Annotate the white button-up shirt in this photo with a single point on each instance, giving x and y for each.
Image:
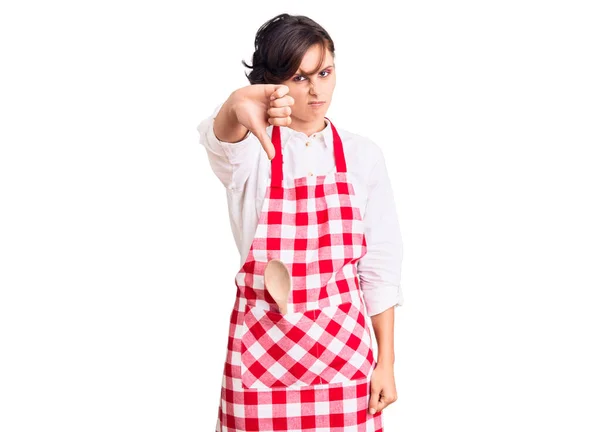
(244, 169)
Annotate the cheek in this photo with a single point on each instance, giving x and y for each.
(296, 96)
(331, 85)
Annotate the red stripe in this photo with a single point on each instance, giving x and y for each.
(277, 161)
(338, 149)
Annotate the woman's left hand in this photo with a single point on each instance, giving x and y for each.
(383, 387)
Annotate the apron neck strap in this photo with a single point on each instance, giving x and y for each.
(277, 161)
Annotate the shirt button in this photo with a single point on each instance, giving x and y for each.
(307, 143)
(310, 173)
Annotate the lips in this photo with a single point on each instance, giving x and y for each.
(316, 102)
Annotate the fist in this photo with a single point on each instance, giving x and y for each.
(383, 388)
(259, 105)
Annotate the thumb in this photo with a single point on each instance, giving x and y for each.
(275, 91)
(266, 143)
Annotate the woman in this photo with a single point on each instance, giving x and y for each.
(319, 199)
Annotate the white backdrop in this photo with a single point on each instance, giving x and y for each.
(117, 261)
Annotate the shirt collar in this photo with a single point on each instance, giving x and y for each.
(326, 134)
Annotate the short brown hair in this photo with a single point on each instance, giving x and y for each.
(280, 45)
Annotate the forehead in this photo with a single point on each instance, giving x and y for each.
(312, 59)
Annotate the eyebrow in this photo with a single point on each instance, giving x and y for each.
(304, 73)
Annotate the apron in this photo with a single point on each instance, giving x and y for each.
(310, 369)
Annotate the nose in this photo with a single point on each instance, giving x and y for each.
(313, 87)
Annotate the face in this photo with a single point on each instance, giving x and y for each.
(306, 88)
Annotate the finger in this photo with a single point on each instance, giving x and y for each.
(266, 143)
(279, 91)
(279, 112)
(272, 90)
(373, 401)
(381, 405)
(385, 401)
(283, 101)
(280, 121)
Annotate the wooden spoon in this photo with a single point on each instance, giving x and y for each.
(279, 283)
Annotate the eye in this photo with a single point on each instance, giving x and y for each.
(326, 71)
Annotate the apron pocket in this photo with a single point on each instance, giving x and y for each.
(320, 346)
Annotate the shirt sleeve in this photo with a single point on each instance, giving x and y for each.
(232, 163)
(380, 269)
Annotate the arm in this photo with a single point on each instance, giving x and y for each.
(226, 125)
(380, 269)
(232, 162)
(383, 383)
(383, 326)
(379, 272)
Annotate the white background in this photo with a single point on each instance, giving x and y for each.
(117, 261)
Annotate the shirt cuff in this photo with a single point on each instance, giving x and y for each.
(380, 298)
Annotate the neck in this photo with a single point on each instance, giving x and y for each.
(309, 127)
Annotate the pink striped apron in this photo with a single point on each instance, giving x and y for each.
(310, 369)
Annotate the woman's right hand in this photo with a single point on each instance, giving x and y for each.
(259, 105)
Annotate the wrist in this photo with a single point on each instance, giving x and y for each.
(230, 108)
(386, 359)
(226, 126)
